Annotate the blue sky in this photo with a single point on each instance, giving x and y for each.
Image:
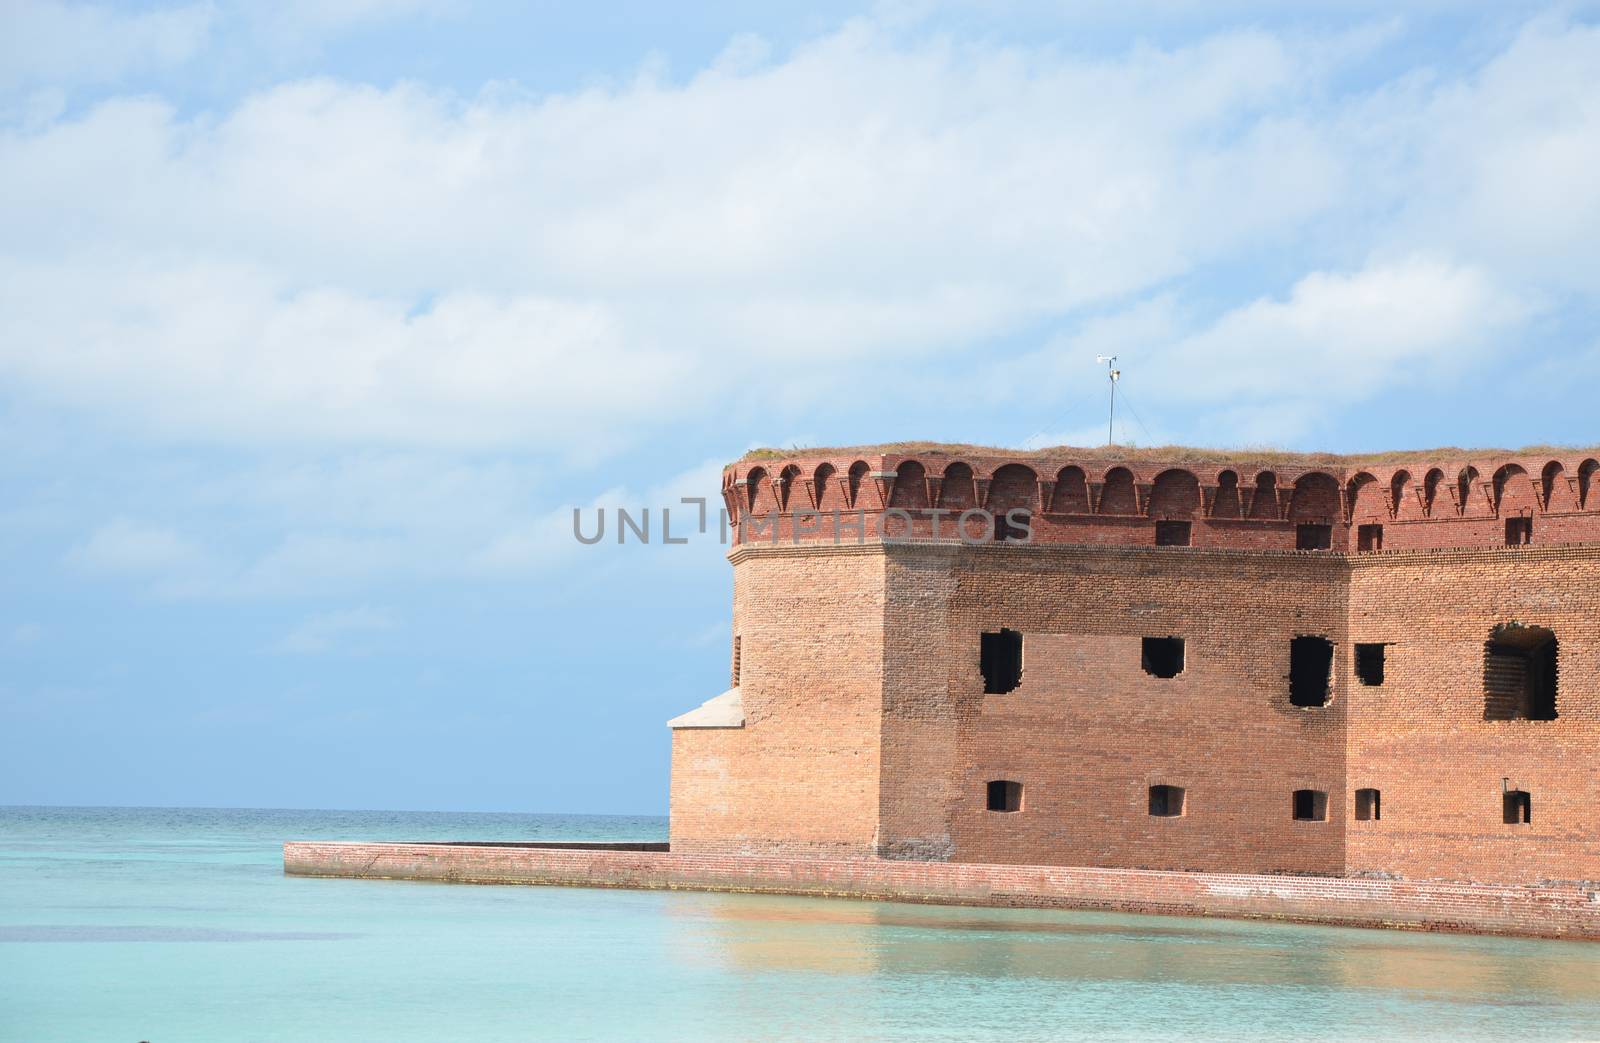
(318, 318)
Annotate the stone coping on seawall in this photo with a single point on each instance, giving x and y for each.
(1542, 911)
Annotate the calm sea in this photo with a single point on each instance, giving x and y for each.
(178, 924)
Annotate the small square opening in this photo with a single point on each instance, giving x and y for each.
(1369, 805)
(1004, 795)
(1310, 805)
(1313, 536)
(1166, 801)
(1519, 531)
(1173, 533)
(1369, 538)
(1517, 807)
(1369, 664)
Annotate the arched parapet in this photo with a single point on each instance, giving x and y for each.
(1071, 495)
(1588, 477)
(958, 489)
(856, 480)
(825, 495)
(1117, 493)
(1555, 495)
(1013, 487)
(908, 489)
(786, 487)
(1403, 503)
(1432, 488)
(1315, 498)
(757, 495)
(1264, 497)
(1512, 491)
(1366, 499)
(1175, 494)
(1469, 494)
(1225, 499)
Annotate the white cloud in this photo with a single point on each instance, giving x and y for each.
(327, 631)
(126, 547)
(399, 266)
(47, 41)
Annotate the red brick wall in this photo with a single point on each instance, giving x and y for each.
(868, 731)
(801, 776)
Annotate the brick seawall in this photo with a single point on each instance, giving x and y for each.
(1546, 912)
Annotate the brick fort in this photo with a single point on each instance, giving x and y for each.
(1383, 667)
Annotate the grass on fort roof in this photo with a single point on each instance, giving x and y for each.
(1178, 454)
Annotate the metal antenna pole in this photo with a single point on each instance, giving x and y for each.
(1113, 373)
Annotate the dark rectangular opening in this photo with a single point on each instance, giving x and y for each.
(1369, 664)
(1519, 531)
(1368, 805)
(1310, 805)
(1005, 531)
(1517, 807)
(1173, 533)
(1310, 669)
(1000, 661)
(1162, 656)
(1313, 536)
(1520, 673)
(1369, 538)
(1166, 801)
(1004, 795)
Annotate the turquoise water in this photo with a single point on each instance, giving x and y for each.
(162, 925)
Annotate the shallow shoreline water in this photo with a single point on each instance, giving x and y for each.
(176, 924)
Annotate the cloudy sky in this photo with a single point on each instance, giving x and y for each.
(317, 318)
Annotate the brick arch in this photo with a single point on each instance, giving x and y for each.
(1013, 486)
(1226, 505)
(1466, 487)
(1586, 471)
(1513, 490)
(1430, 489)
(1365, 496)
(957, 490)
(910, 485)
(1175, 494)
(822, 486)
(783, 488)
(757, 490)
(1400, 494)
(1264, 504)
(854, 479)
(1118, 496)
(1072, 491)
(1315, 498)
(1553, 491)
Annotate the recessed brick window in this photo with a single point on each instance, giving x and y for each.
(1516, 807)
(1004, 795)
(1313, 536)
(1310, 670)
(1000, 661)
(1310, 805)
(1173, 533)
(1520, 674)
(1162, 656)
(1369, 664)
(1369, 805)
(1519, 531)
(1369, 538)
(1166, 801)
